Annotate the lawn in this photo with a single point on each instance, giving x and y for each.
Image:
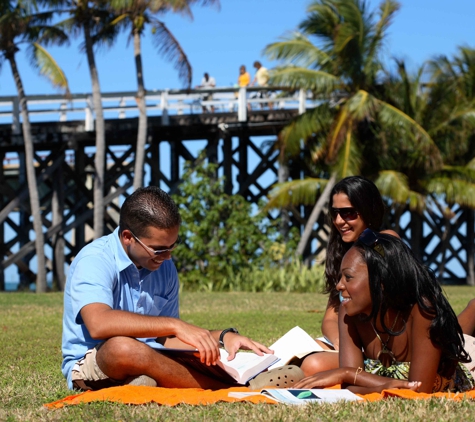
(30, 337)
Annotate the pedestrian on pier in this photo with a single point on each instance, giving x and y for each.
(208, 82)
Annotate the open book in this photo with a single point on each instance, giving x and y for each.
(290, 349)
(293, 346)
(301, 396)
(245, 365)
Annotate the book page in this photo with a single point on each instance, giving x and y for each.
(301, 396)
(246, 365)
(295, 343)
(304, 396)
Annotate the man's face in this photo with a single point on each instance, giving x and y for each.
(140, 250)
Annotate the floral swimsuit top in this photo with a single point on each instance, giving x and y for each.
(460, 381)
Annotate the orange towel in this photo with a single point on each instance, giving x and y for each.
(129, 394)
(197, 396)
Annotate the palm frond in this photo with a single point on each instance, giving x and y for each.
(349, 157)
(454, 190)
(170, 48)
(50, 68)
(341, 125)
(297, 49)
(465, 113)
(387, 11)
(51, 35)
(361, 106)
(394, 185)
(302, 78)
(295, 192)
(394, 119)
(302, 127)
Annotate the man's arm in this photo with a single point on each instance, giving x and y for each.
(103, 322)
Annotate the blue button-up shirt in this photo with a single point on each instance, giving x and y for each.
(103, 273)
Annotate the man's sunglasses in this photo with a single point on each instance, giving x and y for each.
(158, 251)
(371, 238)
(346, 214)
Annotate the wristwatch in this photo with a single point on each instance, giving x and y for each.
(227, 330)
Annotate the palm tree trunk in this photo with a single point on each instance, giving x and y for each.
(470, 248)
(283, 176)
(142, 131)
(317, 209)
(99, 160)
(57, 211)
(31, 179)
(416, 234)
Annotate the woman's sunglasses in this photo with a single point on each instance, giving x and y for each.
(371, 238)
(346, 214)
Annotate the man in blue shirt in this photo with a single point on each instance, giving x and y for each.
(121, 306)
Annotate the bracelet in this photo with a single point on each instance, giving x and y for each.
(227, 330)
(358, 371)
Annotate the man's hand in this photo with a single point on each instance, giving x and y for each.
(233, 342)
(201, 339)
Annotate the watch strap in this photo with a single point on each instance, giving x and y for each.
(223, 333)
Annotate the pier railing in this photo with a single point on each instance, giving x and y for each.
(158, 102)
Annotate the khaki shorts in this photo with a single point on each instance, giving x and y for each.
(86, 374)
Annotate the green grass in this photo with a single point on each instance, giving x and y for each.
(30, 359)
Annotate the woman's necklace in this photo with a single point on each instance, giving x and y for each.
(385, 350)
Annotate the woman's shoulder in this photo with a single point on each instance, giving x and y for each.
(391, 232)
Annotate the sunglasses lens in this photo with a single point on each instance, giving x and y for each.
(346, 214)
(349, 214)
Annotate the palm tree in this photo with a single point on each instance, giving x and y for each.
(21, 23)
(92, 20)
(137, 14)
(446, 107)
(449, 116)
(342, 69)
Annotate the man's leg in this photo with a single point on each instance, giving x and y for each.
(123, 357)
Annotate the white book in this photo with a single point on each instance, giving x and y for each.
(244, 366)
(295, 345)
(301, 396)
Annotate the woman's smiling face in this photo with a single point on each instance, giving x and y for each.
(353, 285)
(349, 229)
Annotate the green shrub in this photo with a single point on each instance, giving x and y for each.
(227, 246)
(292, 277)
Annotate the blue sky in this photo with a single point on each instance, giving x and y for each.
(219, 41)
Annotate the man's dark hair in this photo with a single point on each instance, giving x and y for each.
(148, 207)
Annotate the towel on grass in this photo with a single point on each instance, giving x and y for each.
(129, 394)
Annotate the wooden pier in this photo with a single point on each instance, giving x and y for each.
(239, 136)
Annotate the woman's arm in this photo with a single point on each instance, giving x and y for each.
(350, 349)
(351, 372)
(330, 325)
(425, 355)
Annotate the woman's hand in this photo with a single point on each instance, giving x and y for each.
(408, 385)
(323, 379)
